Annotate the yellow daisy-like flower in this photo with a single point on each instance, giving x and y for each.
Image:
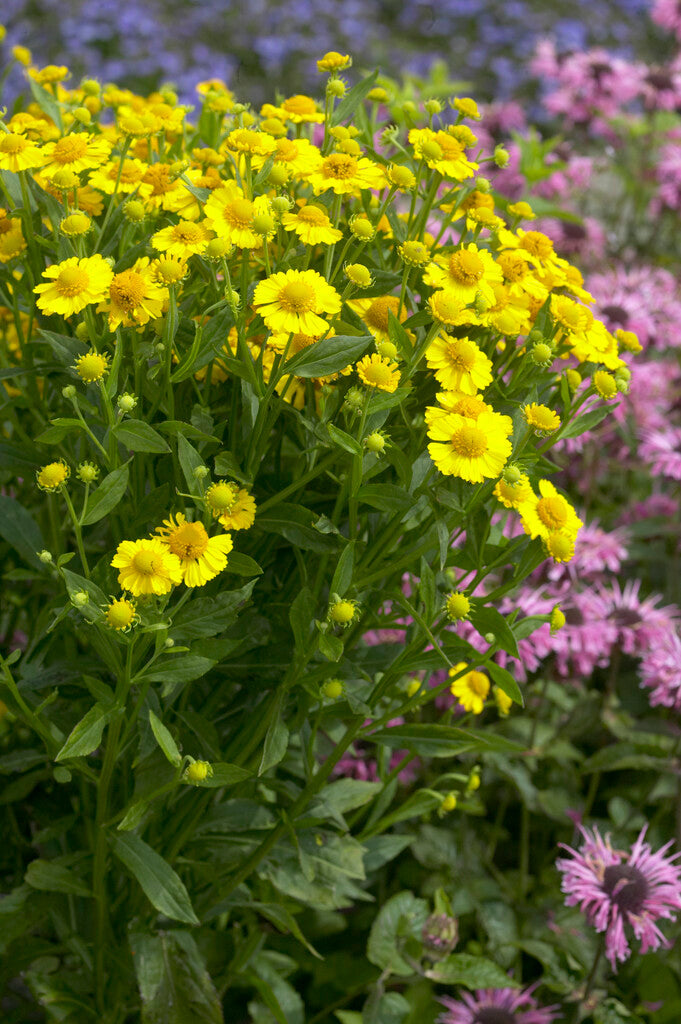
(443, 153)
(294, 156)
(334, 61)
(12, 241)
(185, 239)
(596, 345)
(467, 106)
(168, 269)
(345, 174)
(448, 308)
(92, 366)
(245, 140)
(75, 152)
(292, 301)
(605, 384)
(512, 495)
(503, 701)
(549, 513)
(459, 364)
(312, 225)
(537, 246)
(470, 406)
(50, 74)
(570, 315)
(472, 450)
(414, 253)
(302, 109)
(52, 476)
(147, 567)
(230, 215)
(75, 224)
(541, 418)
(73, 284)
(509, 314)
(17, 153)
(471, 689)
(135, 296)
(232, 505)
(201, 557)
(518, 275)
(467, 272)
(120, 614)
(131, 174)
(375, 314)
(521, 209)
(559, 545)
(378, 372)
(457, 606)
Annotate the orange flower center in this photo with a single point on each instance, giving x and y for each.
(72, 281)
(537, 244)
(70, 149)
(552, 511)
(145, 562)
(159, 179)
(127, 290)
(340, 166)
(469, 441)
(188, 541)
(513, 267)
(312, 215)
(466, 267)
(239, 212)
(461, 354)
(377, 313)
(188, 233)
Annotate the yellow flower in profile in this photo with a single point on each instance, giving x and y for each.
(459, 364)
(414, 253)
(466, 272)
(50, 74)
(375, 371)
(605, 384)
(73, 285)
(120, 614)
(472, 450)
(52, 476)
(92, 366)
(467, 106)
(75, 224)
(559, 545)
(512, 495)
(541, 418)
(448, 308)
(503, 701)
(147, 567)
(549, 513)
(312, 225)
(76, 152)
(17, 153)
(201, 557)
(184, 239)
(231, 504)
(345, 174)
(334, 61)
(301, 109)
(135, 296)
(245, 140)
(470, 689)
(292, 301)
(375, 314)
(443, 153)
(521, 209)
(12, 241)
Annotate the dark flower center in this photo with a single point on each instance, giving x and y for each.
(626, 886)
(660, 80)
(616, 314)
(493, 1015)
(575, 232)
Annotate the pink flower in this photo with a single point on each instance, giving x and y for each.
(661, 669)
(667, 13)
(620, 891)
(661, 451)
(496, 1006)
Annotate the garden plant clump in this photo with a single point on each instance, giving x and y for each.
(283, 395)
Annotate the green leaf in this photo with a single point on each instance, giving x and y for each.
(489, 620)
(276, 740)
(165, 740)
(295, 524)
(386, 497)
(243, 565)
(399, 337)
(505, 682)
(174, 985)
(161, 885)
(105, 498)
(20, 530)
(328, 356)
(343, 440)
(471, 971)
(138, 436)
(300, 616)
(385, 1007)
(207, 616)
(401, 916)
(226, 465)
(348, 105)
(87, 735)
(585, 421)
(330, 646)
(76, 584)
(54, 877)
(46, 102)
(432, 740)
(177, 670)
(342, 577)
(189, 461)
(224, 774)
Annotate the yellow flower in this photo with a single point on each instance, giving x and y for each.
(467, 272)
(17, 153)
(50, 74)
(512, 495)
(201, 557)
(129, 178)
(245, 140)
(312, 225)
(605, 384)
(168, 269)
(358, 274)
(345, 174)
(232, 505)
(442, 152)
(459, 364)
(473, 450)
(198, 771)
(292, 301)
(52, 476)
(92, 366)
(469, 406)
(76, 152)
(302, 109)
(548, 513)
(147, 567)
(557, 619)
(342, 612)
(559, 545)
(467, 106)
(375, 314)
(401, 177)
(471, 689)
(120, 614)
(75, 224)
(521, 209)
(414, 254)
(12, 241)
(448, 308)
(183, 240)
(541, 418)
(458, 606)
(73, 285)
(503, 701)
(334, 61)
(231, 215)
(377, 372)
(135, 297)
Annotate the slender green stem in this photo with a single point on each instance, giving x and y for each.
(78, 532)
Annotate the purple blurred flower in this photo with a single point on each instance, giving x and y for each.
(661, 670)
(496, 1006)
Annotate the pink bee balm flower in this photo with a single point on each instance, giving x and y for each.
(619, 891)
(496, 1006)
(661, 669)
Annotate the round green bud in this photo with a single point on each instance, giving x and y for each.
(134, 211)
(375, 443)
(263, 223)
(82, 332)
(336, 87)
(432, 107)
(333, 689)
(61, 774)
(501, 156)
(281, 205)
(82, 115)
(126, 402)
(90, 87)
(200, 473)
(69, 392)
(511, 474)
(490, 638)
(541, 354)
(45, 556)
(483, 184)
(81, 598)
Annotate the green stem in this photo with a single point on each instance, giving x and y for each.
(78, 532)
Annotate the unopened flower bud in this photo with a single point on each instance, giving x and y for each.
(126, 402)
(134, 211)
(200, 473)
(263, 223)
(336, 87)
(483, 184)
(83, 115)
(501, 156)
(490, 638)
(198, 771)
(333, 689)
(69, 392)
(45, 556)
(81, 598)
(440, 933)
(387, 349)
(281, 205)
(432, 107)
(90, 87)
(375, 443)
(541, 354)
(82, 332)
(342, 612)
